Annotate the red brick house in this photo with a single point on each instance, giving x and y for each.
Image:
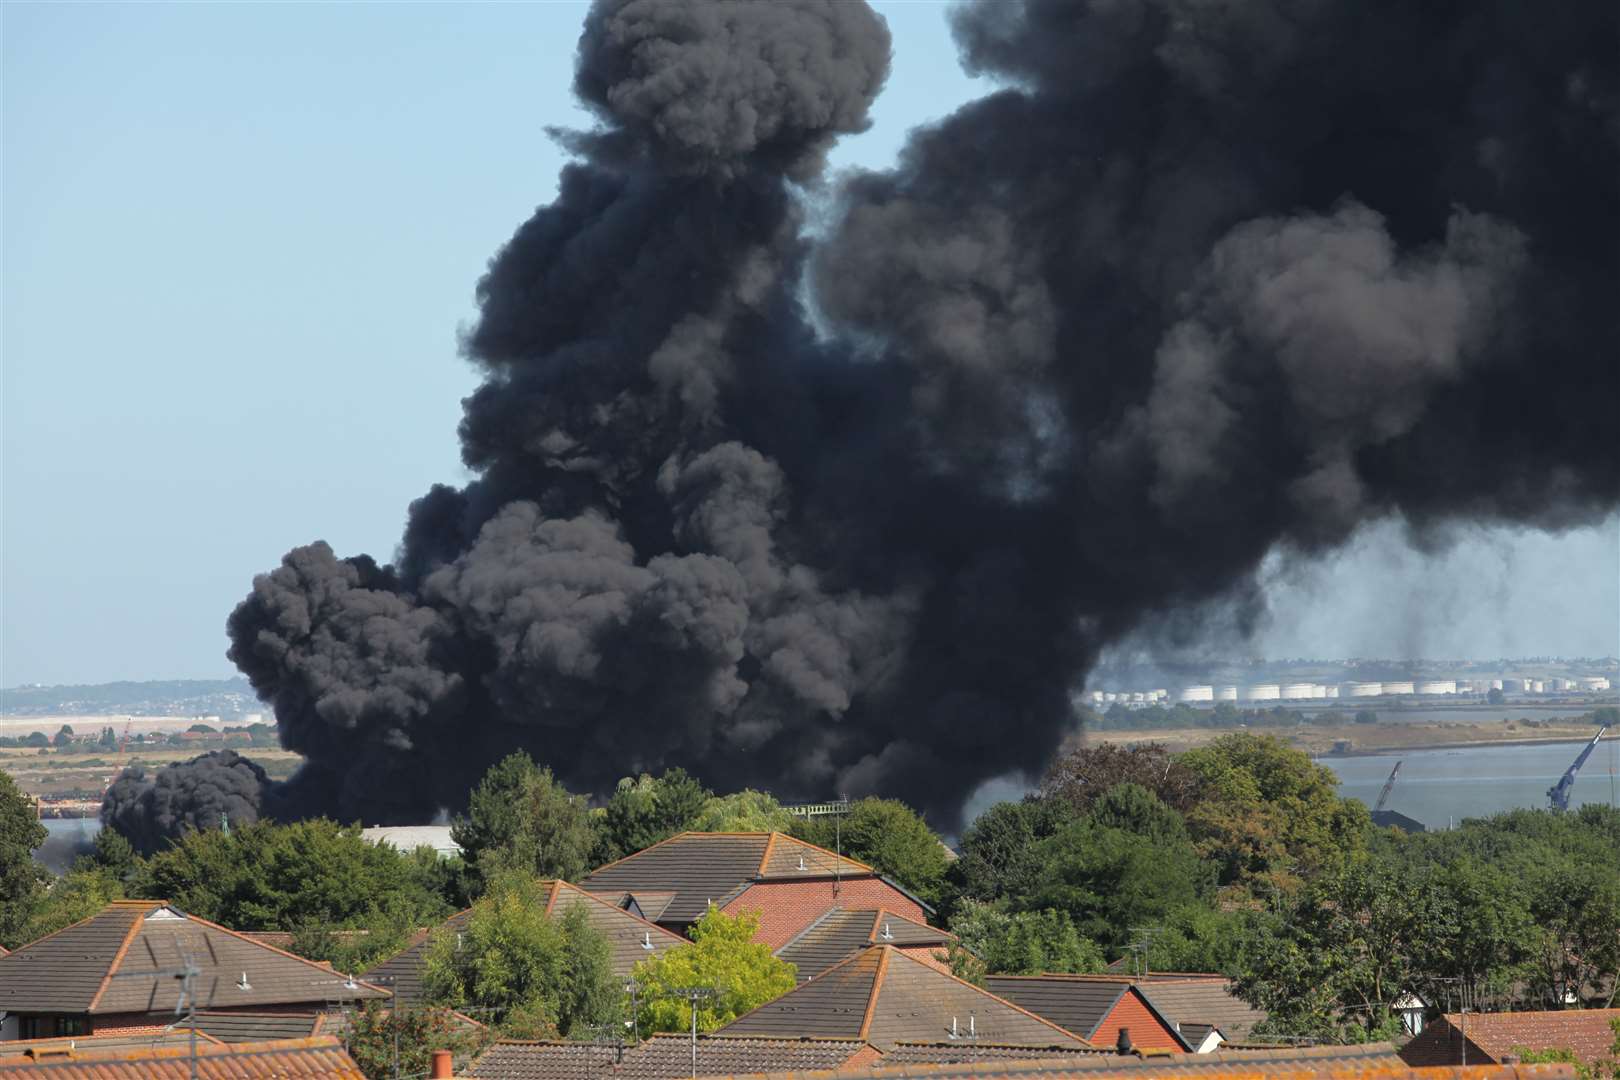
(1096, 1009)
(105, 975)
(789, 883)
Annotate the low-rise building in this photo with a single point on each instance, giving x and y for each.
(1104, 1011)
(1500, 1038)
(789, 883)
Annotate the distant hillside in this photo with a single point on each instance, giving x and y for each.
(225, 698)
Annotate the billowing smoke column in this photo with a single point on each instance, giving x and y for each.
(1203, 280)
(197, 794)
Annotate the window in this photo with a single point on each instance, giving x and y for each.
(72, 1025)
(51, 1027)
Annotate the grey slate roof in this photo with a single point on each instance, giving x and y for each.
(95, 967)
(885, 997)
(1195, 1034)
(243, 1027)
(842, 932)
(1074, 1004)
(1202, 1000)
(658, 1058)
(702, 867)
(632, 939)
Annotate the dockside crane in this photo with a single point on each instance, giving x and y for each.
(1558, 794)
(1383, 796)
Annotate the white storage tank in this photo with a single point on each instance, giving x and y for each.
(1496, 684)
(1196, 693)
(1264, 692)
(1226, 693)
(1365, 689)
(1160, 694)
(1399, 687)
(1517, 686)
(1437, 686)
(1329, 691)
(1536, 686)
(1298, 691)
(1594, 682)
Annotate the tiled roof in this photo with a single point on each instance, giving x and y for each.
(1195, 1034)
(98, 966)
(298, 1059)
(633, 939)
(123, 1040)
(1076, 1003)
(884, 997)
(840, 933)
(657, 1058)
(955, 1053)
(1491, 1036)
(1203, 999)
(244, 1027)
(702, 867)
(1307, 1063)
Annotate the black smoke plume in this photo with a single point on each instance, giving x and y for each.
(197, 794)
(857, 513)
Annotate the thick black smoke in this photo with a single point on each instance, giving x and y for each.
(197, 794)
(1202, 281)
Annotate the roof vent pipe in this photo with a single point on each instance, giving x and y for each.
(243, 984)
(887, 934)
(646, 939)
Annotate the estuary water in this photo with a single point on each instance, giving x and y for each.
(1441, 786)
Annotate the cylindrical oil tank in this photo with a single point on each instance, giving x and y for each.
(1263, 692)
(1437, 686)
(1517, 686)
(1196, 693)
(1364, 689)
(1536, 686)
(1226, 693)
(1329, 691)
(1594, 682)
(1298, 691)
(1399, 687)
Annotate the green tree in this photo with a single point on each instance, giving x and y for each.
(524, 965)
(109, 739)
(265, 876)
(1268, 814)
(1085, 774)
(644, 810)
(387, 1042)
(743, 811)
(1576, 908)
(889, 836)
(1000, 858)
(36, 738)
(723, 956)
(22, 880)
(64, 737)
(997, 942)
(520, 818)
(70, 899)
(111, 854)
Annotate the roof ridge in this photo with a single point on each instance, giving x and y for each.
(622, 911)
(855, 957)
(979, 989)
(877, 991)
(291, 956)
(825, 851)
(765, 859)
(817, 921)
(123, 950)
(636, 854)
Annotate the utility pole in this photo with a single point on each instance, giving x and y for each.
(631, 987)
(695, 994)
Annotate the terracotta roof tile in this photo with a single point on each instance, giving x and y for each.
(1491, 1036)
(293, 1059)
(657, 1058)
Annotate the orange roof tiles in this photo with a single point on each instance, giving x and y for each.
(289, 1059)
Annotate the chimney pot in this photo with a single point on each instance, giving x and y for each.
(442, 1069)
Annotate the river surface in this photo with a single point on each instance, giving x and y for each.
(1439, 786)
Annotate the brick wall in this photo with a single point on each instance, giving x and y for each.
(786, 907)
(1147, 1031)
(927, 954)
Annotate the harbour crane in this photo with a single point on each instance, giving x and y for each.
(1558, 794)
(1383, 796)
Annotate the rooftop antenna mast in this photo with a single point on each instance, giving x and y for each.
(187, 972)
(695, 994)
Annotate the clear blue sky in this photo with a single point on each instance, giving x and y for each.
(238, 243)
